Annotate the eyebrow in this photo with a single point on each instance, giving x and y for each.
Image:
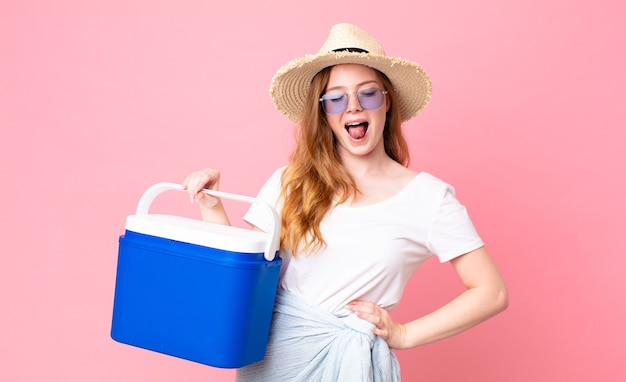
(358, 85)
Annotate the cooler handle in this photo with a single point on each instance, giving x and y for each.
(274, 234)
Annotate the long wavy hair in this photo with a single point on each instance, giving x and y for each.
(315, 176)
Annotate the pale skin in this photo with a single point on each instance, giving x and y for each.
(378, 177)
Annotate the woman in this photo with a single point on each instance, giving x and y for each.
(356, 222)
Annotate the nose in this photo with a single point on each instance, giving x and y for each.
(353, 102)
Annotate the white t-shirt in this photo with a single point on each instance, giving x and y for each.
(372, 251)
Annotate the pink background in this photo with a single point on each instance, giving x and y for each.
(99, 100)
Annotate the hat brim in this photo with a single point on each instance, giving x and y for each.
(290, 84)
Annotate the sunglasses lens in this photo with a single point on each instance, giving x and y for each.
(335, 103)
(370, 99)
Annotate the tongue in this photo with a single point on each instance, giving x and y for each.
(357, 132)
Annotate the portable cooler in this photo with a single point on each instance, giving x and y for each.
(195, 290)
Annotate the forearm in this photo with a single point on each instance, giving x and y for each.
(472, 307)
(214, 214)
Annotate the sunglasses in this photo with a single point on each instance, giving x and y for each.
(337, 102)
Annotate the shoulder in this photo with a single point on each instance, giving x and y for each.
(275, 178)
(271, 188)
(432, 185)
(278, 173)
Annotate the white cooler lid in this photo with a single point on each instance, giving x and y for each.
(198, 232)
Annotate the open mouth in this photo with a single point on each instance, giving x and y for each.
(357, 130)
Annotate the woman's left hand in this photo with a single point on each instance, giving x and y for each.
(385, 327)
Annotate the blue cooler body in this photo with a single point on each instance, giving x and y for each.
(195, 290)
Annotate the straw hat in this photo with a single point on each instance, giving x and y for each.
(348, 44)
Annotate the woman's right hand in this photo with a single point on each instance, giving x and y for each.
(210, 206)
(195, 182)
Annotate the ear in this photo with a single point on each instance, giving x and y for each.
(387, 102)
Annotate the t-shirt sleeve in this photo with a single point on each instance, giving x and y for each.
(269, 193)
(452, 232)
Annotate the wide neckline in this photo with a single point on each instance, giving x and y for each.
(384, 201)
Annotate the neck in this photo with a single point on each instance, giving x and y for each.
(362, 165)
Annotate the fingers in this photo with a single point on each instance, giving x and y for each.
(369, 312)
(385, 326)
(196, 181)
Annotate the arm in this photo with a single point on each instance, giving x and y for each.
(485, 296)
(211, 208)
